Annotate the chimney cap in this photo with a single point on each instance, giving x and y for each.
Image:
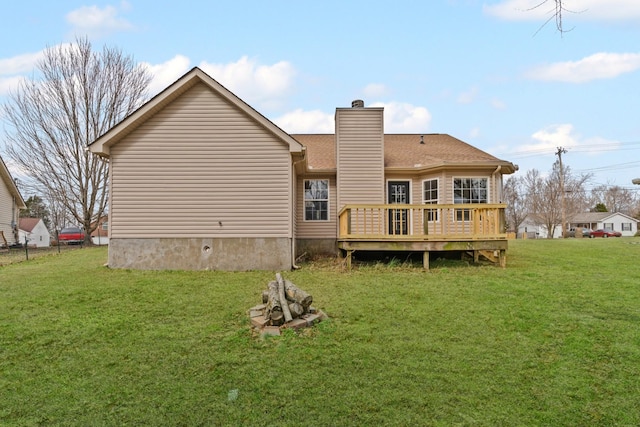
(357, 103)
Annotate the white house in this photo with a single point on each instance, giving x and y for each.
(534, 228)
(34, 231)
(614, 221)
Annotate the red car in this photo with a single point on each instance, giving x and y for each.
(605, 233)
(71, 235)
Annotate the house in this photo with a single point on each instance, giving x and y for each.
(34, 232)
(534, 227)
(614, 221)
(10, 204)
(201, 180)
(100, 236)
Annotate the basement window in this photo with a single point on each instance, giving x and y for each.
(316, 199)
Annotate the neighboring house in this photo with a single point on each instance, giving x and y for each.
(533, 227)
(100, 236)
(35, 232)
(10, 204)
(201, 180)
(614, 221)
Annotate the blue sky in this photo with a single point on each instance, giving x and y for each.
(488, 72)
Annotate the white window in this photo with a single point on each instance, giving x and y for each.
(469, 190)
(430, 197)
(608, 226)
(626, 226)
(105, 225)
(316, 199)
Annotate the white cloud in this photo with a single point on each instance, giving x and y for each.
(597, 66)
(262, 86)
(398, 118)
(8, 84)
(578, 10)
(474, 133)
(404, 118)
(375, 90)
(548, 140)
(498, 104)
(94, 21)
(299, 121)
(469, 96)
(19, 64)
(166, 73)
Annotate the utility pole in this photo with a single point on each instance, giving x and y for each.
(559, 153)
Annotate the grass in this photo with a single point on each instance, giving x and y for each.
(553, 339)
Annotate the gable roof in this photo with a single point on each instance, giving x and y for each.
(5, 176)
(598, 217)
(28, 224)
(194, 76)
(406, 152)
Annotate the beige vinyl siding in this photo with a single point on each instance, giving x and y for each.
(200, 168)
(316, 229)
(6, 212)
(360, 155)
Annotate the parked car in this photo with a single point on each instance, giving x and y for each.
(586, 232)
(605, 233)
(71, 235)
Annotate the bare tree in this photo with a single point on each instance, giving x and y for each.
(77, 96)
(515, 197)
(615, 198)
(544, 196)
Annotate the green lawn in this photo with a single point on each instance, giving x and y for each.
(552, 340)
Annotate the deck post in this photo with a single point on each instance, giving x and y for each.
(348, 256)
(502, 258)
(425, 260)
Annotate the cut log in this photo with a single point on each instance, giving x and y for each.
(296, 294)
(274, 308)
(283, 298)
(276, 318)
(296, 310)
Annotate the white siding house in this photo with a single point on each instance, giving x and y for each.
(34, 232)
(10, 204)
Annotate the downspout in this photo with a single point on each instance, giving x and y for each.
(495, 184)
(294, 195)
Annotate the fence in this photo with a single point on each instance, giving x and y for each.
(25, 253)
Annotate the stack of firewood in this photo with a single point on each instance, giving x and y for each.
(284, 305)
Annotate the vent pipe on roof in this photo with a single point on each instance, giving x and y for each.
(421, 139)
(358, 103)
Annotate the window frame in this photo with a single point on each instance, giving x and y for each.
(627, 226)
(432, 215)
(463, 214)
(318, 200)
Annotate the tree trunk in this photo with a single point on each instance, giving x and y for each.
(274, 307)
(296, 310)
(283, 299)
(298, 295)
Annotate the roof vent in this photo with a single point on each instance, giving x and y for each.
(358, 103)
(421, 139)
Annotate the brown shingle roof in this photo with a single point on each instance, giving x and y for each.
(403, 151)
(27, 224)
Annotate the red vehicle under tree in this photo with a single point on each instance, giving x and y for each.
(71, 235)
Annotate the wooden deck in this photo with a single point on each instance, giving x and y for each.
(476, 229)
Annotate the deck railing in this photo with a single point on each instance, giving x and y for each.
(423, 222)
